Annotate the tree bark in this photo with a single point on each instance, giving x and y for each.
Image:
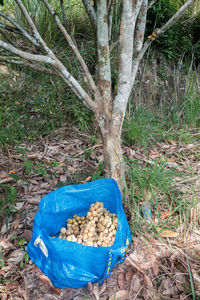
(113, 158)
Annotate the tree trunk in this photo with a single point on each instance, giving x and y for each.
(109, 108)
(113, 159)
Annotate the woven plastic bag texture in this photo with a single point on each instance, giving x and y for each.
(66, 263)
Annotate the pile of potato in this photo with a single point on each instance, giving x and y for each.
(98, 228)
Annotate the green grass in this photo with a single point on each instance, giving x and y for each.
(76, 18)
(8, 195)
(166, 108)
(142, 127)
(34, 104)
(154, 183)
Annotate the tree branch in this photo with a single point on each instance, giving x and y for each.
(128, 21)
(111, 4)
(175, 17)
(155, 34)
(140, 28)
(50, 59)
(64, 16)
(72, 45)
(27, 55)
(71, 81)
(35, 31)
(91, 12)
(22, 30)
(33, 66)
(104, 72)
(9, 28)
(151, 3)
(6, 37)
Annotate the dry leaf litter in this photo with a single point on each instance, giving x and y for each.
(153, 269)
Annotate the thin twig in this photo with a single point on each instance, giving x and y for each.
(33, 66)
(5, 180)
(22, 30)
(72, 45)
(35, 31)
(6, 37)
(186, 180)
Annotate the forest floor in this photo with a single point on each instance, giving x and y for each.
(157, 266)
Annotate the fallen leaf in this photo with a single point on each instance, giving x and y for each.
(103, 288)
(6, 245)
(12, 285)
(155, 154)
(33, 181)
(45, 279)
(168, 233)
(27, 234)
(130, 259)
(70, 168)
(96, 290)
(181, 281)
(61, 164)
(87, 179)
(165, 215)
(171, 142)
(16, 256)
(7, 179)
(168, 287)
(19, 205)
(2, 272)
(130, 153)
(90, 287)
(129, 275)
(171, 159)
(166, 146)
(32, 155)
(172, 164)
(136, 283)
(34, 200)
(178, 178)
(55, 290)
(120, 295)
(148, 290)
(121, 281)
(63, 178)
(36, 270)
(155, 268)
(5, 270)
(190, 146)
(3, 174)
(4, 69)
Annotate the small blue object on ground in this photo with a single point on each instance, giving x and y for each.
(146, 210)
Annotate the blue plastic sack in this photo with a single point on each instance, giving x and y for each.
(66, 263)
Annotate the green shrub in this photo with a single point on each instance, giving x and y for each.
(182, 37)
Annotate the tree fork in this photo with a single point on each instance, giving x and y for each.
(109, 109)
